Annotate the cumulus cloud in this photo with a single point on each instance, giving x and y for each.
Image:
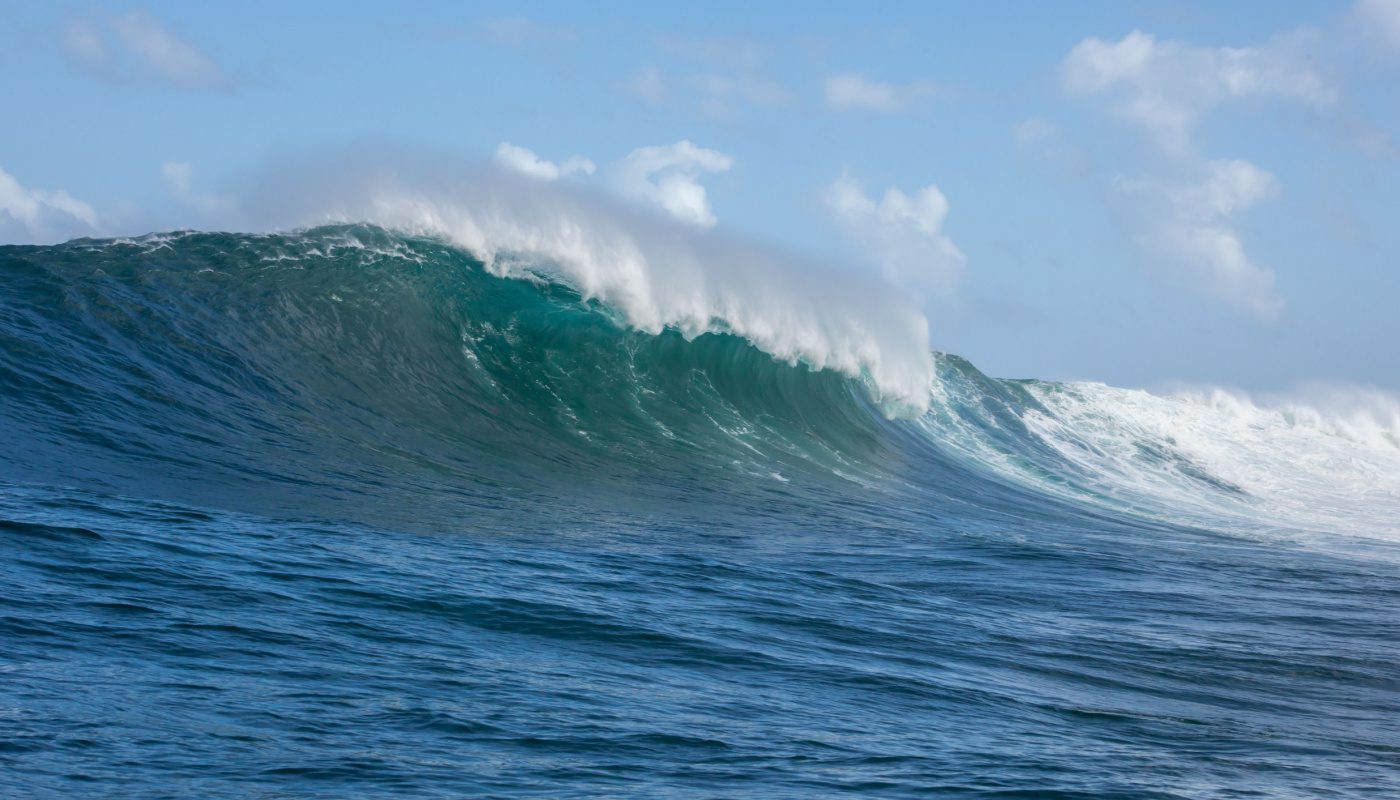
(1191, 221)
(905, 231)
(527, 163)
(37, 216)
(137, 48)
(668, 176)
(1166, 86)
(852, 92)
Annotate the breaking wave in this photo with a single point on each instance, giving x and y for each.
(412, 372)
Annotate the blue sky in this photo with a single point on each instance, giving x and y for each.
(1139, 193)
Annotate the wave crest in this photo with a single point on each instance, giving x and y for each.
(655, 273)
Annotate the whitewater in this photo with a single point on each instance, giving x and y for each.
(491, 491)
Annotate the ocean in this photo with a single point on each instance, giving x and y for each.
(350, 511)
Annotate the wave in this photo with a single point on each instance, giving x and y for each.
(362, 371)
(657, 274)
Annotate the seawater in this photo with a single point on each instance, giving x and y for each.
(346, 513)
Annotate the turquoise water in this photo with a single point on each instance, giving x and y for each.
(339, 513)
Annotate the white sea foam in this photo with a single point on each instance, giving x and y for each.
(656, 273)
(1323, 459)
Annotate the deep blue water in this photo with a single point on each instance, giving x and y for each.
(339, 514)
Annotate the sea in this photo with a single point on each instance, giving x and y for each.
(363, 510)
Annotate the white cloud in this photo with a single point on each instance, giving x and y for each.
(1166, 86)
(905, 231)
(1190, 223)
(1186, 212)
(668, 176)
(136, 48)
(39, 216)
(1229, 186)
(1381, 18)
(852, 92)
(526, 162)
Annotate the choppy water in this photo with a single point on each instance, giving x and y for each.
(339, 513)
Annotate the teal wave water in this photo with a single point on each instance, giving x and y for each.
(352, 512)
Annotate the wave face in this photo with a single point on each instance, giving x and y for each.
(550, 502)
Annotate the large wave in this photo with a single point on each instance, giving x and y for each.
(357, 370)
(657, 274)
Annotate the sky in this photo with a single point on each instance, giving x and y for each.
(1140, 193)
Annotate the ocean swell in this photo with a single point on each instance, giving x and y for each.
(352, 370)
